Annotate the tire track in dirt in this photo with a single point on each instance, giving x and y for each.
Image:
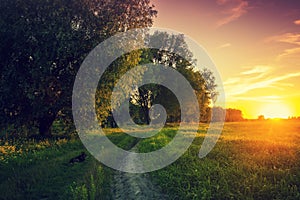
(134, 186)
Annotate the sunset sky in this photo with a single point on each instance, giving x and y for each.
(254, 44)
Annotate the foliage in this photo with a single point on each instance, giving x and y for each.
(261, 117)
(79, 192)
(233, 115)
(43, 45)
(202, 81)
(34, 169)
(108, 81)
(229, 114)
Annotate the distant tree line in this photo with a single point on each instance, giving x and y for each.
(294, 118)
(229, 114)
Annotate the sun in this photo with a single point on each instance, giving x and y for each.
(278, 110)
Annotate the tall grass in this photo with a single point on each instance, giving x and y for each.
(39, 169)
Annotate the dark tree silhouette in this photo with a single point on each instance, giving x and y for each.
(42, 46)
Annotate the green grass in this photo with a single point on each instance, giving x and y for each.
(32, 169)
(252, 160)
(121, 139)
(41, 170)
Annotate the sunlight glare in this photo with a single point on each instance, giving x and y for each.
(275, 111)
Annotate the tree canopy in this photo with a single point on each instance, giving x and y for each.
(43, 44)
(201, 80)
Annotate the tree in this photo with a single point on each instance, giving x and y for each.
(108, 81)
(233, 115)
(229, 114)
(202, 81)
(261, 117)
(42, 46)
(218, 114)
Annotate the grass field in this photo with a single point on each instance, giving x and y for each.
(252, 160)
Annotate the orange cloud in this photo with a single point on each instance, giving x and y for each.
(297, 22)
(257, 69)
(290, 38)
(224, 46)
(237, 87)
(239, 8)
(289, 53)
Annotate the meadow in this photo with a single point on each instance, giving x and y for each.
(251, 160)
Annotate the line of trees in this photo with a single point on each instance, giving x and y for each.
(231, 115)
(141, 100)
(43, 44)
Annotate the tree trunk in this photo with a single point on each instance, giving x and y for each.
(144, 102)
(146, 115)
(45, 124)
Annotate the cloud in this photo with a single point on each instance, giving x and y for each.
(250, 74)
(234, 10)
(266, 99)
(232, 81)
(268, 82)
(224, 46)
(237, 87)
(256, 70)
(289, 38)
(297, 22)
(294, 52)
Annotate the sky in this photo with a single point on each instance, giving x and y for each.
(255, 45)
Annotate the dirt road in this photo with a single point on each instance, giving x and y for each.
(134, 186)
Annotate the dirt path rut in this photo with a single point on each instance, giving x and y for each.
(131, 186)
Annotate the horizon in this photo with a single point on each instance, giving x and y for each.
(266, 116)
(99, 101)
(255, 46)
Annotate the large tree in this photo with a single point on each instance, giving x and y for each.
(202, 80)
(43, 43)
